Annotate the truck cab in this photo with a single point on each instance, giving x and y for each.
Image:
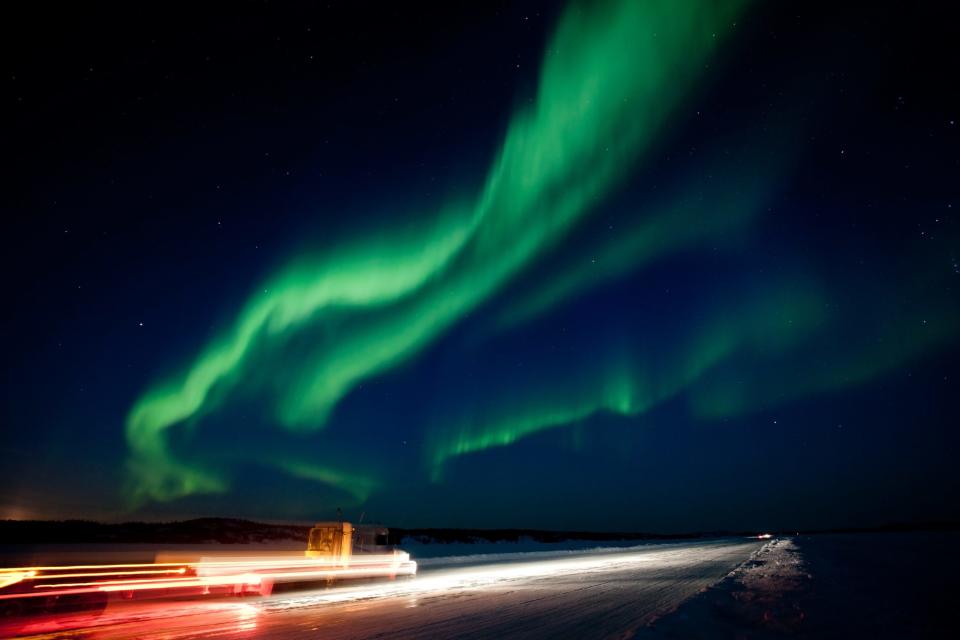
(339, 541)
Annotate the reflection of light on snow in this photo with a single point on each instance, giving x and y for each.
(239, 618)
(246, 618)
(159, 622)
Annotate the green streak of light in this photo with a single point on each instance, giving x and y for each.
(632, 383)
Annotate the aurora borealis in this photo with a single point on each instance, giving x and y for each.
(629, 256)
(595, 107)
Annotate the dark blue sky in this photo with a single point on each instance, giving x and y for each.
(265, 261)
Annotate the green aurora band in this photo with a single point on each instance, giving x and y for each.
(636, 378)
(876, 340)
(766, 329)
(697, 212)
(612, 74)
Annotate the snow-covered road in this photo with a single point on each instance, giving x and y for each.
(582, 594)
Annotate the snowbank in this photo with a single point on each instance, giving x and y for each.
(758, 599)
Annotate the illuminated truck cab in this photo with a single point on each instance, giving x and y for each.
(339, 541)
(357, 551)
(331, 541)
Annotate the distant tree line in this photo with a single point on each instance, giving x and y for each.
(236, 531)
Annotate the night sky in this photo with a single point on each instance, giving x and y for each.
(661, 265)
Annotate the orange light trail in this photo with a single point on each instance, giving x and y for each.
(74, 567)
(229, 578)
(181, 570)
(241, 574)
(265, 561)
(14, 577)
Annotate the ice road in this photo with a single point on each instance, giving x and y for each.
(583, 594)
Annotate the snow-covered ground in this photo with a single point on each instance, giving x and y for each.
(873, 585)
(758, 597)
(895, 585)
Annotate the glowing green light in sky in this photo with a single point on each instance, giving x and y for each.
(631, 383)
(882, 337)
(611, 75)
(701, 212)
(358, 486)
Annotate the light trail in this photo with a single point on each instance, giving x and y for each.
(244, 575)
(14, 577)
(263, 560)
(271, 571)
(470, 578)
(112, 573)
(246, 578)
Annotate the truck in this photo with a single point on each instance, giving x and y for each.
(336, 551)
(342, 539)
